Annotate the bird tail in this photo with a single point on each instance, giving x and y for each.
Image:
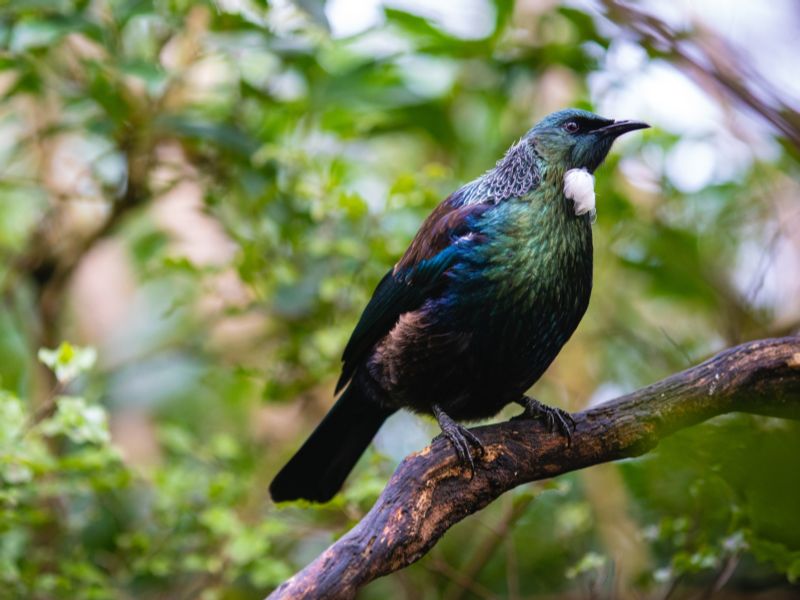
(318, 470)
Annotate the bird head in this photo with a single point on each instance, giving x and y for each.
(577, 139)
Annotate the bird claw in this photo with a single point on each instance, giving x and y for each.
(554, 418)
(461, 438)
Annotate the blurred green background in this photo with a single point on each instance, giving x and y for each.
(200, 196)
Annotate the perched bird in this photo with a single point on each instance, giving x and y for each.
(492, 286)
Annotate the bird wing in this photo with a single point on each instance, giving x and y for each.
(417, 276)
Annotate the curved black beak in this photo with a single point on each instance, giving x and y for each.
(617, 128)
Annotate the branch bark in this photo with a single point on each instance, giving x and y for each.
(430, 492)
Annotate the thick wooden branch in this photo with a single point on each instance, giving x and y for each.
(430, 492)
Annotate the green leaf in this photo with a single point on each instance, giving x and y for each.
(269, 572)
(12, 419)
(221, 521)
(591, 561)
(247, 546)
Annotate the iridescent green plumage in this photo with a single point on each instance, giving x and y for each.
(493, 285)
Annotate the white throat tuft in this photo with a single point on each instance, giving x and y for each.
(579, 187)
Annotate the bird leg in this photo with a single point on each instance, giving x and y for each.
(463, 439)
(555, 418)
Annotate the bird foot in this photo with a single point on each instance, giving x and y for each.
(462, 439)
(554, 418)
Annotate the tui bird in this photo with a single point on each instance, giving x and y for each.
(490, 289)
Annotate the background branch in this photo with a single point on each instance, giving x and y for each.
(430, 492)
(712, 63)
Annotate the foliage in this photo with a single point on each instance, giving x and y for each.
(203, 195)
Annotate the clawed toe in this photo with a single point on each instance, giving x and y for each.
(563, 422)
(554, 418)
(461, 438)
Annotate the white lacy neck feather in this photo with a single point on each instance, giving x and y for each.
(579, 187)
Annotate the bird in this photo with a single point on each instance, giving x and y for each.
(490, 289)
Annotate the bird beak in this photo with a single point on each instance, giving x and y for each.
(617, 128)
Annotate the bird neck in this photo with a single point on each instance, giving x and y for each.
(553, 173)
(514, 175)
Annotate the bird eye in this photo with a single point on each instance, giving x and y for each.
(571, 127)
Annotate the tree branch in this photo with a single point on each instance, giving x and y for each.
(430, 492)
(709, 59)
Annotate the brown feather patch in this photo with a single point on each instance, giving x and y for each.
(437, 230)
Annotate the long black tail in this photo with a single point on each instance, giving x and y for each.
(318, 470)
